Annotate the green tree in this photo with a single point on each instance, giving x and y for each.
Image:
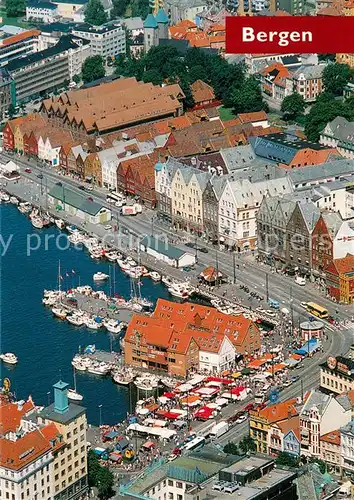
(93, 69)
(186, 88)
(77, 79)
(140, 8)
(248, 98)
(95, 13)
(119, 8)
(99, 477)
(321, 464)
(153, 76)
(11, 110)
(198, 72)
(231, 449)
(323, 111)
(15, 8)
(247, 444)
(293, 106)
(287, 459)
(335, 77)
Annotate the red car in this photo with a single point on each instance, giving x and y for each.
(249, 407)
(28, 170)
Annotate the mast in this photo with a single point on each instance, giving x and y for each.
(59, 278)
(74, 380)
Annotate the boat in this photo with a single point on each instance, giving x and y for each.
(178, 290)
(37, 222)
(100, 276)
(59, 312)
(14, 200)
(123, 378)
(71, 229)
(146, 383)
(78, 365)
(76, 238)
(4, 197)
(76, 319)
(168, 382)
(166, 280)
(123, 264)
(99, 368)
(9, 358)
(113, 325)
(96, 254)
(72, 393)
(60, 224)
(112, 256)
(155, 276)
(24, 207)
(92, 324)
(133, 272)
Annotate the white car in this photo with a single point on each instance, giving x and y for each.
(108, 227)
(241, 419)
(299, 280)
(303, 304)
(89, 188)
(172, 457)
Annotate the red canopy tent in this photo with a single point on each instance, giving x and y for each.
(204, 413)
(221, 380)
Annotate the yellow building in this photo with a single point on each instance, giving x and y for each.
(345, 59)
(18, 139)
(70, 463)
(262, 420)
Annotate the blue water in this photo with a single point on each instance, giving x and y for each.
(44, 345)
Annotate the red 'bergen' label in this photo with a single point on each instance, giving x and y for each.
(289, 35)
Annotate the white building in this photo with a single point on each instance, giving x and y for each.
(109, 162)
(347, 447)
(106, 41)
(336, 197)
(160, 249)
(217, 356)
(238, 207)
(179, 10)
(45, 12)
(321, 414)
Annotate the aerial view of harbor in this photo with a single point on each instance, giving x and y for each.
(176, 251)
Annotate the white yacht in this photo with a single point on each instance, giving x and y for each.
(9, 358)
(37, 222)
(146, 383)
(96, 253)
(166, 280)
(123, 378)
(24, 207)
(123, 264)
(60, 224)
(155, 276)
(92, 324)
(59, 312)
(112, 256)
(76, 238)
(99, 368)
(100, 276)
(14, 200)
(76, 319)
(179, 290)
(113, 326)
(133, 272)
(4, 197)
(72, 393)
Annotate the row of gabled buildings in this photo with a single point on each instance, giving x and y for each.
(185, 338)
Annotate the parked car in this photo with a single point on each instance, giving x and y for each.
(220, 485)
(190, 244)
(28, 170)
(241, 419)
(231, 488)
(203, 250)
(88, 188)
(82, 188)
(108, 227)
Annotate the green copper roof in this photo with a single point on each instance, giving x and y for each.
(161, 17)
(150, 22)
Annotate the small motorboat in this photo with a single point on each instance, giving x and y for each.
(75, 319)
(75, 396)
(92, 324)
(4, 197)
(37, 222)
(112, 256)
(60, 224)
(99, 368)
(59, 312)
(25, 207)
(9, 358)
(155, 276)
(124, 265)
(147, 383)
(166, 280)
(14, 200)
(100, 276)
(122, 378)
(113, 326)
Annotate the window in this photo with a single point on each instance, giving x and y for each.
(179, 484)
(170, 482)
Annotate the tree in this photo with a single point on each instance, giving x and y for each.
(287, 459)
(95, 13)
(77, 79)
(323, 111)
(335, 77)
(93, 69)
(15, 8)
(247, 444)
(99, 477)
(231, 449)
(11, 110)
(321, 464)
(153, 76)
(119, 8)
(186, 88)
(248, 98)
(140, 8)
(293, 106)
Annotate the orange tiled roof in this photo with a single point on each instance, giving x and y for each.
(345, 264)
(313, 156)
(332, 437)
(216, 27)
(252, 117)
(291, 424)
(53, 436)
(201, 92)
(11, 415)
(18, 454)
(277, 413)
(177, 33)
(19, 37)
(186, 23)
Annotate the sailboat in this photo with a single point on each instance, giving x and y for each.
(136, 298)
(72, 393)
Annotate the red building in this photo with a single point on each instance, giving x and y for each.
(30, 144)
(322, 246)
(135, 176)
(340, 279)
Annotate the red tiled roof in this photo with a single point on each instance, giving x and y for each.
(332, 437)
(18, 454)
(11, 415)
(201, 92)
(252, 117)
(344, 265)
(277, 413)
(19, 37)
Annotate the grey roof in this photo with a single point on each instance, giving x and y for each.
(218, 184)
(185, 4)
(162, 247)
(237, 157)
(310, 212)
(309, 71)
(341, 129)
(323, 171)
(73, 412)
(133, 23)
(333, 222)
(317, 399)
(42, 5)
(74, 199)
(248, 193)
(281, 147)
(277, 209)
(344, 401)
(258, 170)
(348, 428)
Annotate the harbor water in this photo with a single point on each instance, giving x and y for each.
(43, 344)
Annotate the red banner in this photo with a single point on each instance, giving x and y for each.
(289, 35)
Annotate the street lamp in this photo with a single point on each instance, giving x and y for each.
(100, 409)
(48, 396)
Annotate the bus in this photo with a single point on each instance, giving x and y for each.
(197, 442)
(317, 310)
(115, 197)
